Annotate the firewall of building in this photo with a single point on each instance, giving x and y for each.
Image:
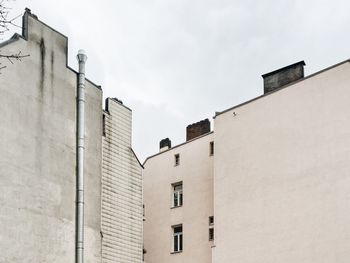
(38, 160)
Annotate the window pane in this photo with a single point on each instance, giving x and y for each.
(176, 243)
(178, 187)
(211, 233)
(175, 199)
(211, 148)
(180, 245)
(211, 220)
(177, 229)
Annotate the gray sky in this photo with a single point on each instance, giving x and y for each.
(175, 62)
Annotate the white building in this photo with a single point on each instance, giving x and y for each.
(38, 160)
(277, 183)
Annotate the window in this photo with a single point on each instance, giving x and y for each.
(177, 194)
(211, 148)
(211, 234)
(177, 159)
(177, 238)
(211, 228)
(211, 220)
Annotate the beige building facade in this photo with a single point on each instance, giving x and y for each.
(279, 176)
(38, 160)
(164, 173)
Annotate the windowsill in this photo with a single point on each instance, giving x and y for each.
(176, 252)
(175, 207)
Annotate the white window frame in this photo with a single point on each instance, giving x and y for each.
(177, 194)
(177, 239)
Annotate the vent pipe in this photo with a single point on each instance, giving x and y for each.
(79, 242)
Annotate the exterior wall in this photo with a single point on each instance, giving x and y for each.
(196, 172)
(38, 153)
(122, 211)
(281, 191)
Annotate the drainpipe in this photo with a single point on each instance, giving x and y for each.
(79, 242)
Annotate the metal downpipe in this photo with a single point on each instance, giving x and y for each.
(79, 242)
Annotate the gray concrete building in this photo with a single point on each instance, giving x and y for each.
(270, 183)
(38, 160)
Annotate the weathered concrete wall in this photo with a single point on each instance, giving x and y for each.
(281, 77)
(281, 175)
(122, 212)
(196, 173)
(37, 156)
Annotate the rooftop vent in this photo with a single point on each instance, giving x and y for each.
(197, 129)
(283, 76)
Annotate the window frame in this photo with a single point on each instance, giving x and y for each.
(177, 194)
(211, 148)
(211, 233)
(177, 239)
(177, 159)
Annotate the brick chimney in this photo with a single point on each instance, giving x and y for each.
(283, 76)
(197, 129)
(164, 144)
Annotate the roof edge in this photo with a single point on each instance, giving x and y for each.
(283, 87)
(132, 150)
(176, 146)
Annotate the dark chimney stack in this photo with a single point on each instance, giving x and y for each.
(197, 129)
(164, 144)
(283, 76)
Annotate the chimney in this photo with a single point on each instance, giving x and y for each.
(283, 76)
(164, 144)
(197, 129)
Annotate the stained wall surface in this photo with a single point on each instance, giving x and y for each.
(281, 175)
(122, 210)
(38, 152)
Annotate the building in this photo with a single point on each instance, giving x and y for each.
(276, 184)
(122, 201)
(174, 179)
(39, 164)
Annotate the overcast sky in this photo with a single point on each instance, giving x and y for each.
(175, 62)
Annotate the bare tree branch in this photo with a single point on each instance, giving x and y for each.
(5, 23)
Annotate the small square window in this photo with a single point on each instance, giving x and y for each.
(177, 238)
(211, 148)
(177, 159)
(211, 234)
(211, 220)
